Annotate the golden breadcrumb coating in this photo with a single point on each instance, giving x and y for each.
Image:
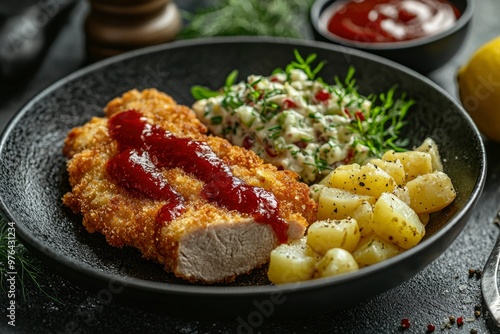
(128, 219)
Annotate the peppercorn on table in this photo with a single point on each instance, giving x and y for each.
(445, 297)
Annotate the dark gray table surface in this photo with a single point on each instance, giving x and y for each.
(441, 290)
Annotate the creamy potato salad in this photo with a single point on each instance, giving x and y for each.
(292, 120)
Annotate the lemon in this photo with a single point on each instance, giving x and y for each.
(479, 88)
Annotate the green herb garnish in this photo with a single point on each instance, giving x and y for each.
(305, 65)
(320, 165)
(380, 129)
(216, 120)
(201, 92)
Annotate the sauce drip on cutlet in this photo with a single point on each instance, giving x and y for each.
(145, 148)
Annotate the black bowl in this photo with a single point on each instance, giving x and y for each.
(33, 175)
(423, 55)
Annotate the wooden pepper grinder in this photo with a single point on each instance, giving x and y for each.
(116, 26)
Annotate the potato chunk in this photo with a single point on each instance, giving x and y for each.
(395, 221)
(364, 218)
(373, 249)
(327, 234)
(402, 193)
(430, 146)
(292, 262)
(431, 192)
(364, 180)
(335, 262)
(393, 168)
(415, 163)
(335, 203)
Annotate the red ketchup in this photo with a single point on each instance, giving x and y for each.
(144, 149)
(380, 21)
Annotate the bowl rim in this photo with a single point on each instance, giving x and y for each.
(162, 289)
(319, 7)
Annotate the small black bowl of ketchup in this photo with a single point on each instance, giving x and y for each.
(420, 34)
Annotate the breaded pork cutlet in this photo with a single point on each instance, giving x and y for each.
(206, 240)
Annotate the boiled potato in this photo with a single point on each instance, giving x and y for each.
(430, 146)
(372, 249)
(431, 192)
(336, 261)
(323, 235)
(364, 217)
(415, 163)
(403, 194)
(339, 204)
(324, 181)
(393, 168)
(364, 180)
(395, 221)
(292, 262)
(366, 214)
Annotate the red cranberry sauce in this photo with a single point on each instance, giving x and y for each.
(145, 148)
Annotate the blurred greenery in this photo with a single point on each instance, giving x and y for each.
(284, 18)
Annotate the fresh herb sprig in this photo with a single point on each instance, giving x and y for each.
(381, 132)
(305, 65)
(202, 92)
(381, 128)
(285, 18)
